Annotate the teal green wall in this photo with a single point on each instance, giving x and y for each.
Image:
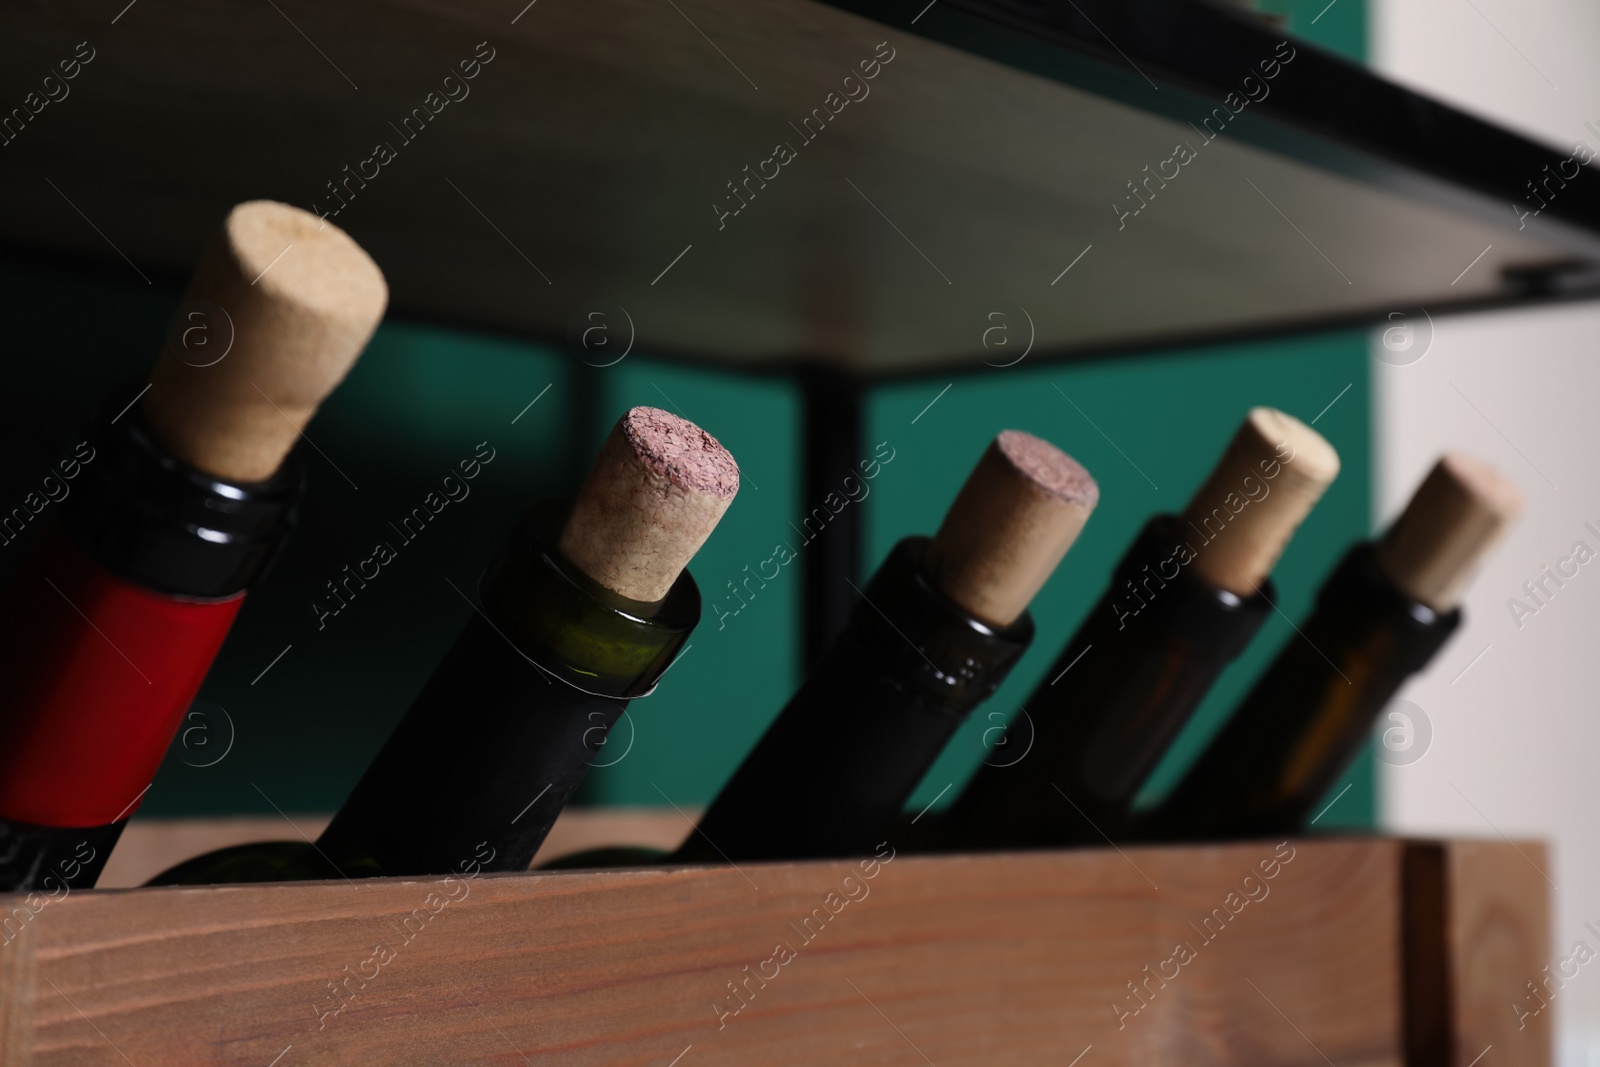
(1339, 25)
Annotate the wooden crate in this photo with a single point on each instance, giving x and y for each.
(1351, 951)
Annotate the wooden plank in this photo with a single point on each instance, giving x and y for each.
(1002, 959)
(1308, 970)
(1191, 955)
(1498, 928)
(16, 981)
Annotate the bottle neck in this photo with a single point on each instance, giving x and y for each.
(150, 519)
(1306, 717)
(532, 594)
(928, 642)
(837, 766)
(1105, 712)
(1154, 586)
(509, 723)
(1359, 598)
(1376, 636)
(112, 623)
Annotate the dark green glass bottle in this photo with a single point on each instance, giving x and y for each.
(502, 734)
(936, 631)
(837, 766)
(583, 612)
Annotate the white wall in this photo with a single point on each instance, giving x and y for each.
(1516, 739)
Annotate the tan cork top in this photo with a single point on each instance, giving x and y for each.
(653, 496)
(1020, 510)
(1273, 473)
(279, 307)
(1458, 513)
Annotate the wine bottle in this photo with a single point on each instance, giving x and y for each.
(1380, 617)
(1187, 597)
(935, 632)
(170, 510)
(583, 612)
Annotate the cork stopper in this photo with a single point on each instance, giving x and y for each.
(279, 307)
(1020, 510)
(1458, 513)
(653, 496)
(1275, 470)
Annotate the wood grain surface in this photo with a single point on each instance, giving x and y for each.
(1498, 944)
(996, 959)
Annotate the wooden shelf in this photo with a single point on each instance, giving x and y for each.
(978, 176)
(581, 170)
(1363, 951)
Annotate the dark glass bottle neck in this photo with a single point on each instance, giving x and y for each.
(1105, 712)
(84, 729)
(1311, 711)
(534, 596)
(925, 640)
(1154, 586)
(1363, 598)
(837, 766)
(504, 731)
(151, 519)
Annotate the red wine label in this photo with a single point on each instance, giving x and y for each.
(95, 676)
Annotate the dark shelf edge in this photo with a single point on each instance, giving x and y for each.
(1331, 113)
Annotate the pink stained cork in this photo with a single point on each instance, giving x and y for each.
(1019, 511)
(655, 493)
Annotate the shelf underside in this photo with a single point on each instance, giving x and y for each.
(580, 175)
